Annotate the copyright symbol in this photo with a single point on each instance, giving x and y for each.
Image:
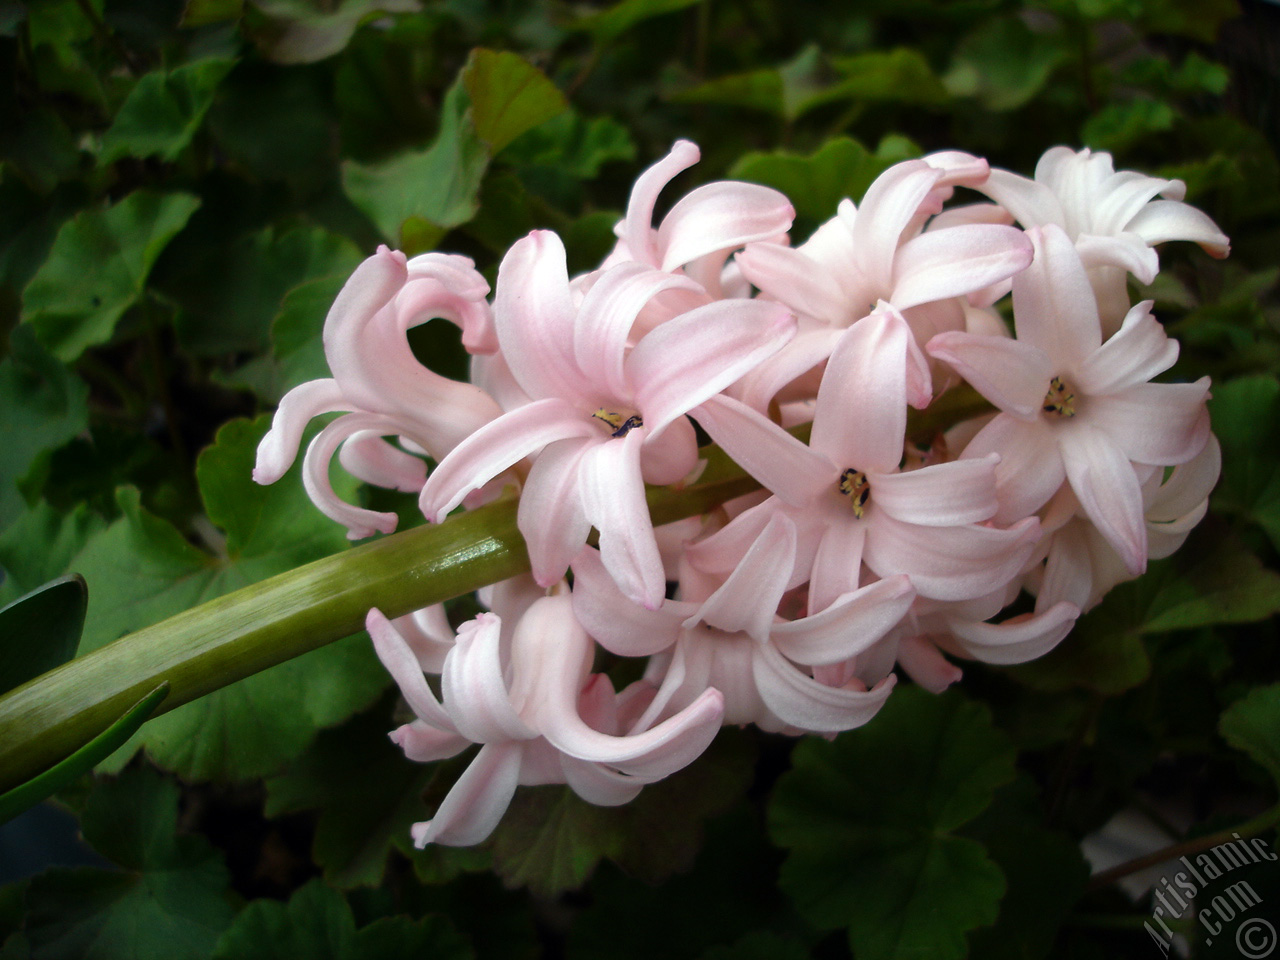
(1255, 938)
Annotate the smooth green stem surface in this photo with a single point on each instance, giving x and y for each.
(259, 626)
(241, 633)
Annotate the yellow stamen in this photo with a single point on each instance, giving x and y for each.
(1060, 400)
(855, 485)
(621, 425)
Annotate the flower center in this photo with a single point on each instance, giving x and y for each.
(1060, 401)
(620, 424)
(855, 485)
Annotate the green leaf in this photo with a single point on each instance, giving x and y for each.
(40, 630)
(816, 184)
(1044, 870)
(229, 301)
(83, 760)
(900, 75)
(572, 144)
(1119, 126)
(438, 186)
(551, 840)
(1252, 724)
(508, 96)
(317, 924)
(1210, 581)
(1004, 63)
(868, 821)
(40, 545)
(201, 13)
(171, 900)
(45, 405)
(607, 25)
(367, 795)
(141, 569)
(98, 269)
(163, 112)
(299, 32)
(1246, 421)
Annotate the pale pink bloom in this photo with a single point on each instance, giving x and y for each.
(703, 228)
(881, 252)
(605, 417)
(727, 635)
(851, 503)
(1076, 408)
(383, 386)
(540, 714)
(1113, 217)
(1082, 566)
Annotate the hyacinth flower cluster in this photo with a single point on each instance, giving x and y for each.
(865, 554)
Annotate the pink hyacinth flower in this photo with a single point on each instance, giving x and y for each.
(605, 416)
(1076, 408)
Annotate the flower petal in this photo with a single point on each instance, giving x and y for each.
(1011, 374)
(955, 261)
(359, 522)
(550, 513)
(721, 216)
(1053, 303)
(636, 230)
(535, 318)
(1155, 423)
(792, 277)
(1018, 640)
(847, 627)
(613, 500)
(748, 600)
(801, 701)
(277, 450)
(778, 460)
(1164, 220)
(1107, 487)
(474, 686)
(498, 445)
(618, 624)
(472, 809)
(402, 664)
(939, 495)
(685, 361)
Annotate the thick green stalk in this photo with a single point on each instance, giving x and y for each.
(259, 626)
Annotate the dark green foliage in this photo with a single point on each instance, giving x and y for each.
(185, 186)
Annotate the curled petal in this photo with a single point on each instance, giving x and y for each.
(792, 277)
(472, 809)
(402, 664)
(721, 216)
(370, 458)
(926, 665)
(890, 204)
(748, 600)
(499, 445)
(475, 688)
(1155, 423)
(550, 512)
(801, 701)
(1164, 220)
(550, 655)
(618, 624)
(1138, 351)
(534, 315)
(1053, 303)
(636, 231)
(848, 627)
(277, 450)
(1126, 251)
(955, 261)
(359, 522)
(690, 359)
(1019, 639)
(423, 743)
(939, 495)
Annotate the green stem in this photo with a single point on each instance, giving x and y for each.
(241, 633)
(259, 626)
(1251, 828)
